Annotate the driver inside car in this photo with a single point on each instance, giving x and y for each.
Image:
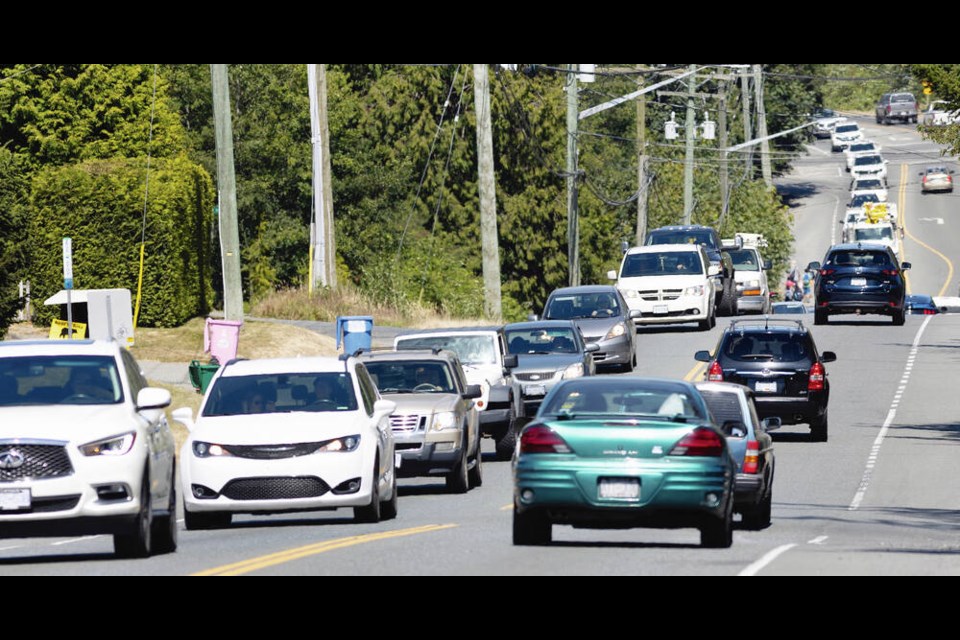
(429, 377)
(87, 382)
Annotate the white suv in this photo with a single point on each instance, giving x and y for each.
(845, 134)
(85, 447)
(669, 284)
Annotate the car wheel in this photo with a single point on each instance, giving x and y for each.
(718, 532)
(202, 521)
(165, 527)
(899, 318)
(913, 120)
(728, 301)
(371, 513)
(531, 528)
(507, 442)
(819, 428)
(476, 473)
(137, 543)
(759, 517)
(389, 508)
(704, 325)
(458, 480)
(819, 317)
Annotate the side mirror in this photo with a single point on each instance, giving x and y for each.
(152, 399)
(906, 266)
(591, 347)
(767, 265)
(734, 429)
(828, 356)
(713, 271)
(533, 317)
(511, 362)
(384, 408)
(473, 392)
(184, 416)
(612, 275)
(624, 246)
(702, 356)
(635, 314)
(772, 424)
(813, 266)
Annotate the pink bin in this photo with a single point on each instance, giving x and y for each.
(221, 339)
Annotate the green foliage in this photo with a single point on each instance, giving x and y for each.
(99, 203)
(857, 87)
(13, 206)
(944, 79)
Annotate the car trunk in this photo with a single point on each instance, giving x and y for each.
(608, 439)
(767, 378)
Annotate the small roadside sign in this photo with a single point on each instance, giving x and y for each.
(68, 263)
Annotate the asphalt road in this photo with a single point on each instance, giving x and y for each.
(880, 498)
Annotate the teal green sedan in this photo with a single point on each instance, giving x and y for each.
(619, 453)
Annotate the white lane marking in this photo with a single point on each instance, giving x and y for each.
(937, 220)
(839, 173)
(766, 560)
(73, 540)
(891, 415)
(836, 221)
(819, 540)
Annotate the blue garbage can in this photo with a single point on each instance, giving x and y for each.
(355, 333)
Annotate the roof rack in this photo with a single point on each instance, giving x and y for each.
(766, 321)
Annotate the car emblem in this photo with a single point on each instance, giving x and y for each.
(766, 373)
(534, 377)
(11, 459)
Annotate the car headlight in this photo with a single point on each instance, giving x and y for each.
(341, 445)
(753, 284)
(616, 331)
(630, 293)
(444, 421)
(113, 446)
(209, 450)
(573, 371)
(694, 291)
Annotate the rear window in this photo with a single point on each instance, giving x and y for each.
(859, 258)
(627, 399)
(725, 406)
(667, 263)
(873, 233)
(766, 347)
(902, 97)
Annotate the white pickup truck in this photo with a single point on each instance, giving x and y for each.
(870, 213)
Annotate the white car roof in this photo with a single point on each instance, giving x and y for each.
(276, 366)
(665, 248)
(20, 348)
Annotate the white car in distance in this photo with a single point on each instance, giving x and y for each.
(285, 435)
(845, 134)
(869, 166)
(869, 186)
(860, 148)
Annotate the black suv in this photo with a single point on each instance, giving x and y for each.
(707, 237)
(859, 278)
(779, 361)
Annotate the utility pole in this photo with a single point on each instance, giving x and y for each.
(573, 222)
(691, 127)
(323, 265)
(227, 189)
(641, 167)
(762, 125)
(747, 127)
(724, 154)
(488, 195)
(327, 171)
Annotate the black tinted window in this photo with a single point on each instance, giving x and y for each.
(281, 393)
(847, 128)
(859, 258)
(902, 97)
(766, 347)
(703, 237)
(867, 160)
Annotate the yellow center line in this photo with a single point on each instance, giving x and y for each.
(696, 372)
(507, 507)
(282, 557)
(903, 223)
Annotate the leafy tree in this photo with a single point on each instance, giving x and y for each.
(944, 79)
(13, 207)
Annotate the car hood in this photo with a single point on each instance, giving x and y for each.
(423, 403)
(596, 328)
(279, 428)
(661, 282)
(742, 276)
(552, 362)
(490, 374)
(69, 423)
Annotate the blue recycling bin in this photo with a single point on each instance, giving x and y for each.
(355, 333)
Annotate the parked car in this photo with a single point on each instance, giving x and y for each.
(669, 284)
(779, 361)
(621, 452)
(938, 114)
(734, 409)
(603, 317)
(859, 278)
(921, 305)
(750, 271)
(436, 430)
(319, 439)
(85, 447)
(897, 106)
(936, 178)
(548, 351)
(483, 354)
(845, 134)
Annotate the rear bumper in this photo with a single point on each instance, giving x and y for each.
(792, 410)
(838, 304)
(748, 489)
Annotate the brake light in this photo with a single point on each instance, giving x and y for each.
(827, 272)
(890, 272)
(541, 439)
(817, 377)
(924, 179)
(751, 462)
(929, 312)
(889, 108)
(716, 372)
(701, 442)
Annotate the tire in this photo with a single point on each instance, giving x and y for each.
(704, 325)
(202, 521)
(759, 517)
(819, 428)
(531, 528)
(899, 318)
(718, 533)
(819, 317)
(458, 480)
(913, 120)
(507, 442)
(476, 473)
(388, 509)
(138, 542)
(165, 528)
(371, 514)
(728, 301)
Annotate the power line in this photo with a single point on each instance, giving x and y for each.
(20, 73)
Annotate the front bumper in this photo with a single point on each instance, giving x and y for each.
(683, 309)
(616, 351)
(439, 454)
(753, 303)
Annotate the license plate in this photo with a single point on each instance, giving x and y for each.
(14, 499)
(535, 390)
(661, 310)
(766, 387)
(619, 488)
(858, 282)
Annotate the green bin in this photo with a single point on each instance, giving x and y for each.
(201, 375)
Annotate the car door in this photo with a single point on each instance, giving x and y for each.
(384, 433)
(159, 437)
(468, 408)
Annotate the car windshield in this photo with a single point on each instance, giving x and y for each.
(863, 146)
(628, 399)
(874, 233)
(281, 393)
(542, 341)
(847, 128)
(744, 260)
(867, 160)
(59, 380)
(472, 350)
(580, 306)
(867, 184)
(766, 346)
(864, 198)
(666, 263)
(413, 376)
(689, 236)
(859, 258)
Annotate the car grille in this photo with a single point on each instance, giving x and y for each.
(534, 376)
(273, 451)
(275, 488)
(47, 505)
(408, 424)
(657, 295)
(40, 461)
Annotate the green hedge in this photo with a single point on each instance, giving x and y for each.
(99, 204)
(13, 204)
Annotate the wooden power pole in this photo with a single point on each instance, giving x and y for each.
(488, 195)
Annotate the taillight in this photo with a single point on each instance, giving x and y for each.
(817, 377)
(889, 108)
(929, 312)
(701, 442)
(541, 439)
(890, 272)
(827, 272)
(751, 462)
(924, 179)
(716, 372)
